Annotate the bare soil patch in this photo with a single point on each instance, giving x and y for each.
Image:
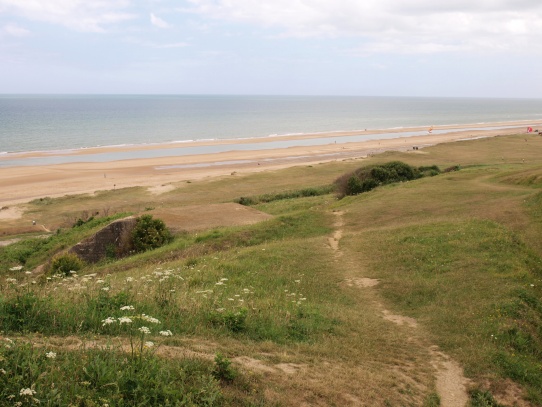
(201, 217)
(11, 213)
(161, 189)
(451, 384)
(399, 319)
(8, 242)
(362, 282)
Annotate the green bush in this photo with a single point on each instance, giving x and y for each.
(235, 321)
(367, 178)
(64, 263)
(223, 370)
(150, 234)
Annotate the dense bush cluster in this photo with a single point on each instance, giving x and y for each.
(367, 178)
(65, 263)
(150, 234)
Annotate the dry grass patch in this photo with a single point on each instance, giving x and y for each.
(201, 217)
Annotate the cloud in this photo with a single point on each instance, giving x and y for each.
(15, 30)
(79, 15)
(158, 22)
(408, 26)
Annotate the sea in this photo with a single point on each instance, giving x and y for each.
(61, 123)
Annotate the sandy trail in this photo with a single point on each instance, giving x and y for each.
(451, 384)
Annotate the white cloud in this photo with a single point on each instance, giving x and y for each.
(408, 26)
(15, 30)
(158, 22)
(80, 15)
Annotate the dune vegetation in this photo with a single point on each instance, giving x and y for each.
(405, 295)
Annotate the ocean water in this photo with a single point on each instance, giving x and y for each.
(45, 123)
(59, 122)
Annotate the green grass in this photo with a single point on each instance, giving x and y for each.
(103, 376)
(459, 252)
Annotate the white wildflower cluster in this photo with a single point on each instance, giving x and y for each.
(27, 392)
(125, 320)
(2, 371)
(108, 321)
(11, 280)
(166, 333)
(127, 308)
(296, 298)
(149, 319)
(50, 355)
(149, 344)
(16, 268)
(144, 330)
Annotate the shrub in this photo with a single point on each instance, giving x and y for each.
(367, 178)
(150, 234)
(452, 168)
(64, 263)
(235, 321)
(223, 370)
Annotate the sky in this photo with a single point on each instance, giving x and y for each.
(448, 48)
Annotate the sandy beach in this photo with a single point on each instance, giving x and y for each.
(20, 184)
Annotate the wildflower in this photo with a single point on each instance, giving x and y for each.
(231, 299)
(220, 283)
(3, 371)
(149, 344)
(144, 330)
(129, 279)
(223, 279)
(11, 396)
(27, 392)
(100, 281)
(11, 280)
(16, 268)
(149, 319)
(27, 272)
(127, 308)
(220, 309)
(51, 355)
(125, 320)
(9, 340)
(108, 321)
(297, 281)
(166, 333)
(105, 288)
(73, 272)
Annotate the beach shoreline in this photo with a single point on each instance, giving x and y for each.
(21, 184)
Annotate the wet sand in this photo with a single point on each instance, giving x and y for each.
(22, 183)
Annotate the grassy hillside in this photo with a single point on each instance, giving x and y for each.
(358, 301)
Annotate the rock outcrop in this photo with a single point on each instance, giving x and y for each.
(112, 239)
